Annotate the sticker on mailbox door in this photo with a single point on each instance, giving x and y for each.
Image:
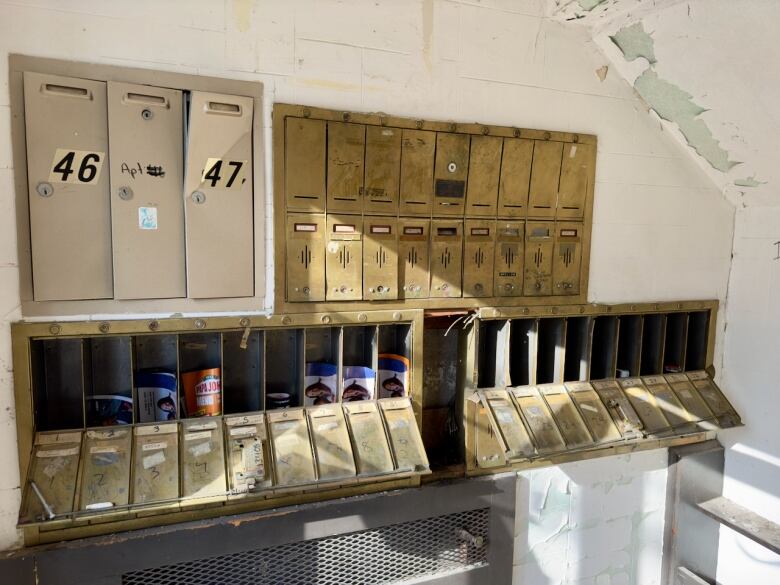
(224, 174)
(76, 166)
(147, 218)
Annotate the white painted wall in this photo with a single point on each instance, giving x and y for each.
(661, 231)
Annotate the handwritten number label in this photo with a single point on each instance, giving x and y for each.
(224, 174)
(76, 166)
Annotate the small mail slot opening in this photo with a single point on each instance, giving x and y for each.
(549, 363)
(284, 368)
(242, 371)
(629, 345)
(66, 90)
(152, 100)
(674, 344)
(696, 347)
(413, 231)
(652, 344)
(603, 348)
(523, 340)
(510, 232)
(577, 357)
(447, 231)
(223, 108)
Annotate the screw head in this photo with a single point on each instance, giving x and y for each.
(147, 114)
(346, 117)
(154, 325)
(125, 193)
(362, 317)
(452, 167)
(397, 316)
(326, 319)
(198, 197)
(286, 320)
(104, 327)
(44, 189)
(200, 323)
(485, 130)
(244, 322)
(55, 329)
(516, 132)
(419, 124)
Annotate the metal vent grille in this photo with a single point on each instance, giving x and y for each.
(377, 556)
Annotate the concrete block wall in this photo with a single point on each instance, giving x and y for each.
(661, 231)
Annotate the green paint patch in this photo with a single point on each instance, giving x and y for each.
(589, 4)
(749, 182)
(635, 42)
(676, 105)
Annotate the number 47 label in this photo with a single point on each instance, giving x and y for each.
(76, 166)
(224, 174)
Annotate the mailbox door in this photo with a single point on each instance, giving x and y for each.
(305, 164)
(332, 448)
(690, 398)
(305, 257)
(404, 434)
(509, 424)
(645, 405)
(568, 258)
(593, 412)
(508, 268)
(537, 414)
(416, 190)
(369, 440)
(623, 414)
(483, 176)
(537, 272)
(383, 169)
(450, 173)
(292, 453)
(202, 459)
(346, 150)
(414, 258)
(545, 176)
(105, 469)
(488, 450)
(68, 181)
(344, 258)
(446, 258)
(147, 173)
(667, 401)
(716, 401)
(479, 250)
(247, 452)
(380, 258)
(575, 176)
(570, 423)
(218, 189)
(515, 177)
(155, 463)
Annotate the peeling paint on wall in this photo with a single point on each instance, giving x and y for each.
(635, 42)
(749, 182)
(589, 4)
(676, 105)
(602, 71)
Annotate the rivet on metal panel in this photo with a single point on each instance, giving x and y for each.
(125, 193)
(326, 319)
(104, 327)
(147, 114)
(554, 310)
(244, 322)
(198, 197)
(362, 317)
(383, 120)
(679, 305)
(633, 307)
(397, 316)
(547, 135)
(453, 127)
(154, 325)
(286, 320)
(485, 130)
(419, 124)
(346, 117)
(55, 329)
(306, 112)
(575, 138)
(200, 324)
(582, 309)
(452, 167)
(526, 310)
(516, 132)
(44, 189)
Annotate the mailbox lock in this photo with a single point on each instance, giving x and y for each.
(452, 167)
(343, 289)
(538, 285)
(380, 289)
(445, 286)
(44, 189)
(478, 287)
(147, 114)
(125, 193)
(306, 290)
(509, 286)
(198, 197)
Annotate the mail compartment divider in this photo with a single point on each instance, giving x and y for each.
(243, 380)
(653, 338)
(674, 344)
(629, 345)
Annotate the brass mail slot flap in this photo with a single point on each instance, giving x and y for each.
(645, 405)
(717, 402)
(51, 481)
(593, 412)
(508, 425)
(570, 423)
(247, 453)
(537, 414)
(202, 458)
(372, 453)
(105, 470)
(623, 414)
(332, 448)
(155, 463)
(292, 453)
(489, 451)
(668, 401)
(692, 401)
(405, 438)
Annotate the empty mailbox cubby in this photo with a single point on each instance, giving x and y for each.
(523, 343)
(603, 347)
(493, 354)
(674, 343)
(242, 371)
(550, 350)
(284, 368)
(58, 378)
(698, 340)
(578, 345)
(653, 328)
(629, 347)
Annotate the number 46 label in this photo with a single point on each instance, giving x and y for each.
(76, 166)
(224, 174)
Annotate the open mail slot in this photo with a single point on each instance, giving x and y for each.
(292, 454)
(332, 447)
(202, 460)
(372, 452)
(479, 248)
(405, 440)
(105, 471)
(156, 466)
(721, 408)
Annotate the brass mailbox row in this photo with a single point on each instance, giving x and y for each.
(531, 422)
(349, 257)
(123, 186)
(109, 473)
(345, 167)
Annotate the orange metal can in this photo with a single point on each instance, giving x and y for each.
(203, 392)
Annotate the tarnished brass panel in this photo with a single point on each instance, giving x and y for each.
(417, 157)
(570, 423)
(567, 262)
(202, 459)
(405, 439)
(667, 401)
(344, 258)
(716, 401)
(156, 464)
(372, 453)
(593, 412)
(692, 401)
(645, 405)
(380, 258)
(508, 266)
(546, 435)
(483, 176)
(537, 269)
(414, 258)
(509, 424)
(446, 258)
(246, 442)
(488, 450)
(305, 266)
(68, 183)
(346, 151)
(575, 175)
(332, 447)
(479, 250)
(623, 414)
(450, 173)
(545, 175)
(292, 452)
(304, 169)
(383, 169)
(105, 470)
(515, 177)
